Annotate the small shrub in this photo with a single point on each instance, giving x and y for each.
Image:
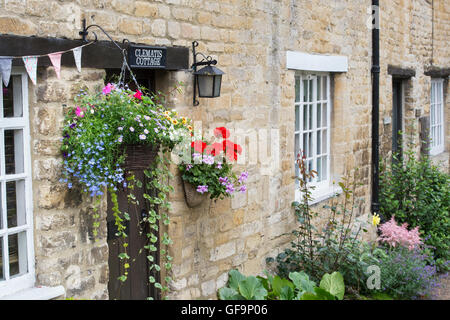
(406, 274)
(417, 193)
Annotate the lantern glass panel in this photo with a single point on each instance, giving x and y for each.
(205, 85)
(217, 84)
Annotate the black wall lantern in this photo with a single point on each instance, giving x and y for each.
(206, 80)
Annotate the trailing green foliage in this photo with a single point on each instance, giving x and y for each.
(299, 287)
(418, 193)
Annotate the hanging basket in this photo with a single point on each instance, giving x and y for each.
(139, 156)
(193, 198)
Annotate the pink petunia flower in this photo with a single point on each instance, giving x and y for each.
(108, 88)
(79, 112)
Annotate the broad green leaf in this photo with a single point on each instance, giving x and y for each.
(334, 284)
(287, 293)
(252, 289)
(309, 296)
(322, 294)
(234, 278)
(278, 284)
(302, 282)
(226, 293)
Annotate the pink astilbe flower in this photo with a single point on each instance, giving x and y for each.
(395, 235)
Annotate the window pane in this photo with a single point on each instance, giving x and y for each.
(305, 117)
(439, 113)
(319, 145)
(305, 90)
(432, 111)
(310, 94)
(319, 169)
(305, 144)
(324, 115)
(297, 89)
(1, 259)
(297, 118)
(310, 144)
(319, 115)
(12, 97)
(324, 167)
(310, 116)
(297, 145)
(17, 246)
(325, 88)
(319, 88)
(324, 141)
(15, 203)
(14, 151)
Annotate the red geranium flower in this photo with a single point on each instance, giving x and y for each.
(222, 132)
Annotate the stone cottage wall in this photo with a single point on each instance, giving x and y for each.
(249, 38)
(66, 252)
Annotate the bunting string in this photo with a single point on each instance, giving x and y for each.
(30, 62)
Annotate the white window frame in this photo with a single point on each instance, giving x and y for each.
(322, 189)
(437, 122)
(14, 284)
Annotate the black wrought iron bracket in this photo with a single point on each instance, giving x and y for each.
(206, 61)
(84, 33)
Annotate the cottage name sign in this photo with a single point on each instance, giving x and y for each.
(146, 57)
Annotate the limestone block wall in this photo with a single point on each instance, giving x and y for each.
(414, 35)
(66, 252)
(249, 38)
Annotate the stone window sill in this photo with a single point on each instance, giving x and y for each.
(37, 293)
(320, 195)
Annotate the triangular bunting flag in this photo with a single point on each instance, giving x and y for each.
(55, 58)
(5, 69)
(31, 66)
(77, 56)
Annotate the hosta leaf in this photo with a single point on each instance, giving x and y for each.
(234, 278)
(334, 284)
(226, 293)
(287, 293)
(302, 282)
(252, 289)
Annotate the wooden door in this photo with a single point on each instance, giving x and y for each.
(137, 286)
